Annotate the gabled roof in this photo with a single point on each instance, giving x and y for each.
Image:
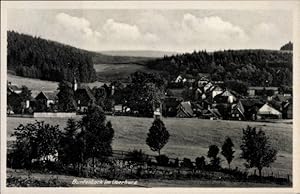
(48, 95)
(14, 88)
(239, 107)
(252, 102)
(186, 108)
(268, 109)
(87, 90)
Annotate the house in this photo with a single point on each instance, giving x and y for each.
(179, 79)
(84, 97)
(13, 88)
(267, 111)
(212, 114)
(225, 97)
(216, 90)
(203, 80)
(185, 110)
(237, 111)
(207, 86)
(251, 107)
(46, 98)
(261, 91)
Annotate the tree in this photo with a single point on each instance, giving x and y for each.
(227, 150)
(96, 134)
(69, 145)
(25, 96)
(212, 153)
(66, 97)
(256, 149)
(158, 136)
(200, 163)
(35, 141)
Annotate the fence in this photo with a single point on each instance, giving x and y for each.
(54, 114)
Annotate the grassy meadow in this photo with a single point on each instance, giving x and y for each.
(37, 85)
(189, 137)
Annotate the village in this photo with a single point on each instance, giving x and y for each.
(198, 97)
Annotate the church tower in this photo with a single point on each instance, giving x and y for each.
(75, 84)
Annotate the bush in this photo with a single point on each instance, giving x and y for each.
(136, 156)
(162, 160)
(187, 163)
(200, 163)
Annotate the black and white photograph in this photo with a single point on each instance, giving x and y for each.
(151, 97)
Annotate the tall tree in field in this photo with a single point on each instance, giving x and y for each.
(97, 134)
(256, 149)
(66, 97)
(227, 150)
(158, 136)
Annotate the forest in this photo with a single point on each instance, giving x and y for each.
(254, 67)
(35, 57)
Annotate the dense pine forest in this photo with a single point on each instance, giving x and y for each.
(253, 67)
(44, 59)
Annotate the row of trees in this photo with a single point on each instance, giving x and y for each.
(256, 148)
(39, 58)
(254, 67)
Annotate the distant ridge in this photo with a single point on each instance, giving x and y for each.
(139, 53)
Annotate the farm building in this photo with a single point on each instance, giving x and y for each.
(225, 97)
(84, 97)
(267, 111)
(212, 114)
(251, 106)
(46, 98)
(237, 111)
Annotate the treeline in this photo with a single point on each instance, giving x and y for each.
(99, 58)
(287, 47)
(255, 67)
(44, 59)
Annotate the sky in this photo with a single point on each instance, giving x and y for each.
(163, 30)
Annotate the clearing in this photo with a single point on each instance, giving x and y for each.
(189, 137)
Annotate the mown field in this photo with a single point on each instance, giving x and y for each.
(189, 137)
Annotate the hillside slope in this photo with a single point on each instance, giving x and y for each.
(255, 67)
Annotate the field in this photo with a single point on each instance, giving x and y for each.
(111, 72)
(37, 85)
(190, 137)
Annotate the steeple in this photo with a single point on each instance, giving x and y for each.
(75, 85)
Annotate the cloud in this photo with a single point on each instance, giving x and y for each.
(176, 30)
(210, 30)
(76, 24)
(123, 32)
